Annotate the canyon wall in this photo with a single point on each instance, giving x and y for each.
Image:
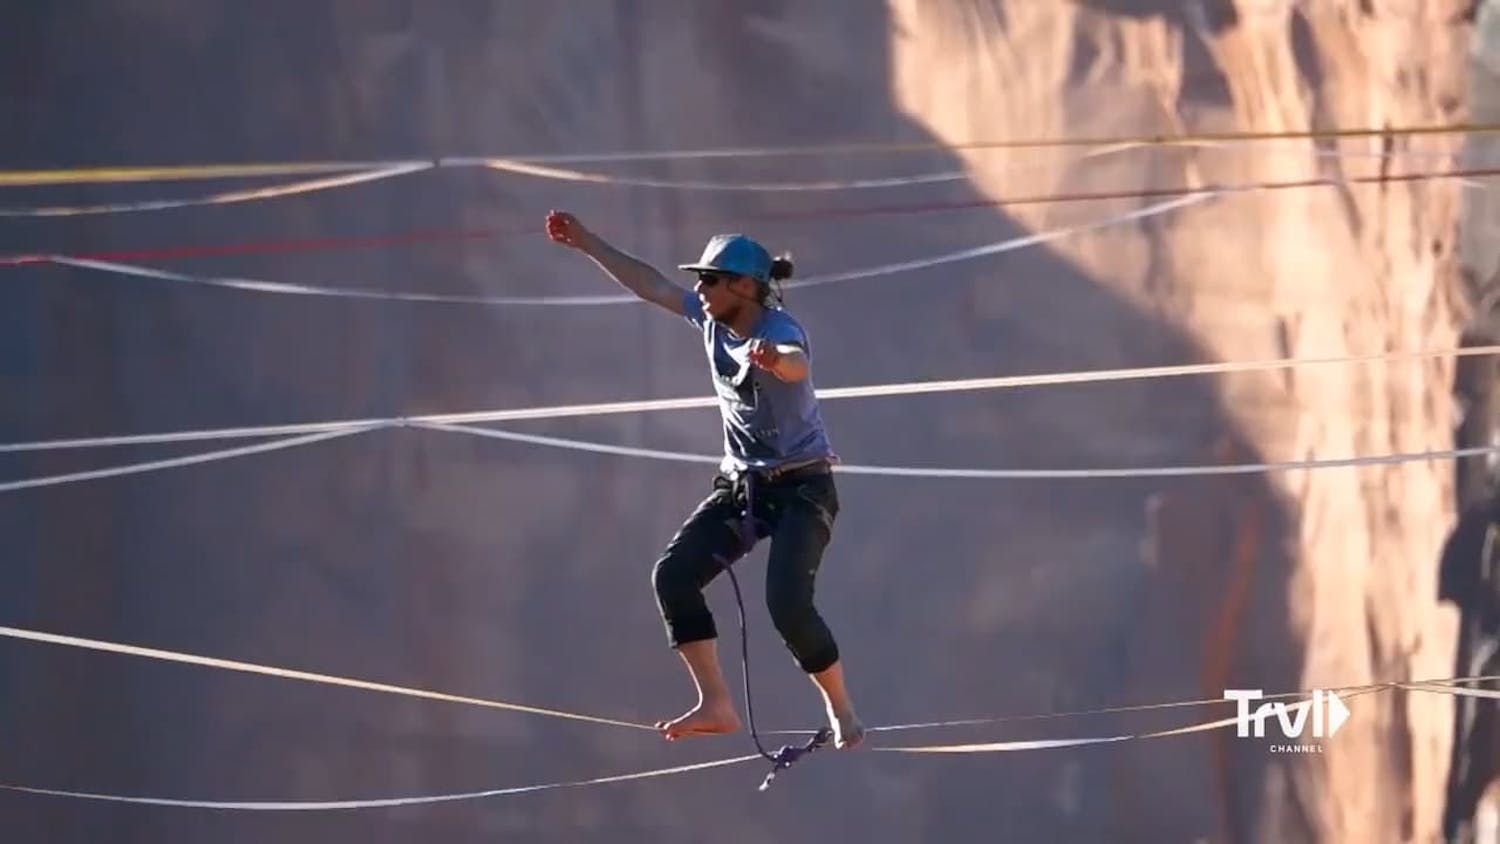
(521, 572)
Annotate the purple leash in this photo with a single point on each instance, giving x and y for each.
(782, 759)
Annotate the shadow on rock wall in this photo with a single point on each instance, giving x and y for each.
(490, 569)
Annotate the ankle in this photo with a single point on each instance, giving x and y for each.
(709, 698)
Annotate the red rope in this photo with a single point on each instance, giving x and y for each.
(446, 235)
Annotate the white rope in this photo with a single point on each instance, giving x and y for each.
(149, 173)
(306, 676)
(1013, 746)
(258, 286)
(1451, 690)
(1011, 245)
(196, 436)
(982, 747)
(990, 474)
(536, 168)
(1438, 684)
(178, 462)
(385, 803)
(559, 174)
(1047, 744)
(1190, 197)
(1207, 726)
(1137, 373)
(1105, 147)
(108, 175)
(37, 636)
(858, 148)
(225, 198)
(574, 445)
(1171, 471)
(831, 393)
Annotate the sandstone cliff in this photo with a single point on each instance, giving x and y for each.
(1311, 274)
(501, 570)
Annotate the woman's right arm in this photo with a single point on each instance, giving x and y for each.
(635, 275)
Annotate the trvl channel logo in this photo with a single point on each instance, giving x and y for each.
(1322, 716)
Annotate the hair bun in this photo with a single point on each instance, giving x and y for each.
(781, 268)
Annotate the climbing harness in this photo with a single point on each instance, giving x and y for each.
(749, 530)
(791, 753)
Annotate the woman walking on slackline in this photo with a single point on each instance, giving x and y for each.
(777, 461)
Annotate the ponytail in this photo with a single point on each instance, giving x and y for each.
(781, 269)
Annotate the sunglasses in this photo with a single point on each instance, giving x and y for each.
(709, 279)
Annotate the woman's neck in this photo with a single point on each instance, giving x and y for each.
(745, 320)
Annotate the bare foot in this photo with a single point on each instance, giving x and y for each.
(848, 732)
(707, 718)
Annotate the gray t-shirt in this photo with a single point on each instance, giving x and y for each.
(767, 422)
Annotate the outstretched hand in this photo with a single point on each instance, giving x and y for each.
(788, 363)
(764, 354)
(564, 228)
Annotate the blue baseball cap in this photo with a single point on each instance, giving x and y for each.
(733, 253)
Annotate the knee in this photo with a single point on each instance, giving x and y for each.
(674, 574)
(791, 608)
(802, 629)
(663, 579)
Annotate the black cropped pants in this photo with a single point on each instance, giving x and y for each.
(797, 511)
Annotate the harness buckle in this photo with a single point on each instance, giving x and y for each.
(791, 753)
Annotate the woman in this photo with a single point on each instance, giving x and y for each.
(777, 463)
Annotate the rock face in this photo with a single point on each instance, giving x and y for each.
(520, 572)
(1480, 251)
(1319, 273)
